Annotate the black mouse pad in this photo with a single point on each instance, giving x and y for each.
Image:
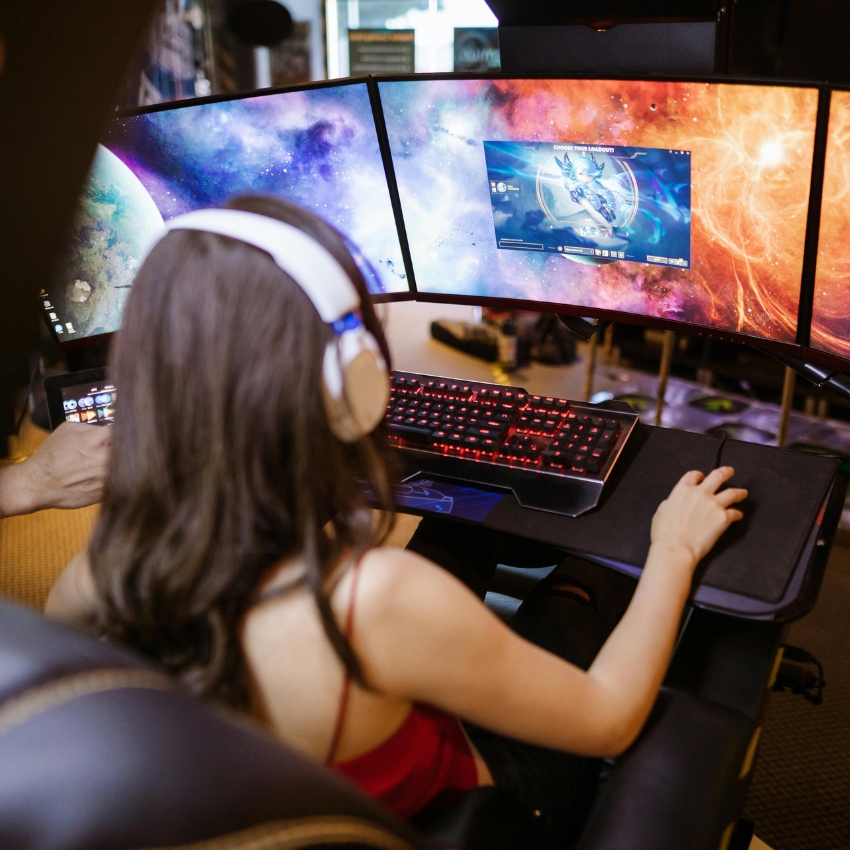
(755, 557)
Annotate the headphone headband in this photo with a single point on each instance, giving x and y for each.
(307, 262)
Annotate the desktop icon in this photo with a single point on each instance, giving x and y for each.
(59, 329)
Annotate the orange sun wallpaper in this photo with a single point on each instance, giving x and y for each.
(831, 308)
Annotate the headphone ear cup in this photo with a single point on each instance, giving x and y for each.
(356, 385)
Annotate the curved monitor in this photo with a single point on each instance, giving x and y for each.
(676, 202)
(830, 329)
(317, 146)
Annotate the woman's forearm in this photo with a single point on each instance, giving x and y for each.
(16, 495)
(632, 663)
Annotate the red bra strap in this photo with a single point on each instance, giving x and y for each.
(346, 679)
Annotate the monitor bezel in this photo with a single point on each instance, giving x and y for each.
(810, 238)
(810, 351)
(188, 103)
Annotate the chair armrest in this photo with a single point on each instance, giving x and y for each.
(677, 785)
(487, 818)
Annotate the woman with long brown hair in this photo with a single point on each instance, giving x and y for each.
(236, 547)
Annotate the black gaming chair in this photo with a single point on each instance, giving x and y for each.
(100, 750)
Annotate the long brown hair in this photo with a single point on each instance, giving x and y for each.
(223, 462)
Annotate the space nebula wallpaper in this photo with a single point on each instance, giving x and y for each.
(750, 154)
(831, 307)
(318, 148)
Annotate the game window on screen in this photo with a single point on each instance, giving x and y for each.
(598, 201)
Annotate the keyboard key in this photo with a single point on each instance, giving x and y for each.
(409, 432)
(471, 440)
(422, 423)
(484, 432)
(561, 405)
(454, 438)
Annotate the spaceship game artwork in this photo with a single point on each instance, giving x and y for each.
(595, 203)
(317, 147)
(723, 192)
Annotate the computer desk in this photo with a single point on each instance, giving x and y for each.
(684, 783)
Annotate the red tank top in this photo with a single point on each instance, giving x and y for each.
(426, 760)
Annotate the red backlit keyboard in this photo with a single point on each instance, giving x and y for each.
(553, 453)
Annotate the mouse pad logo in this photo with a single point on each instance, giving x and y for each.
(591, 203)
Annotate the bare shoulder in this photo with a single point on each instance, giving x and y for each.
(398, 582)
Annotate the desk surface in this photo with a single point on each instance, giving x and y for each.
(757, 568)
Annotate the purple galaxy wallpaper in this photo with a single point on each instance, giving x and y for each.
(317, 148)
(750, 150)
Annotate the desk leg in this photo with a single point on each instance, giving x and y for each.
(663, 373)
(591, 367)
(787, 403)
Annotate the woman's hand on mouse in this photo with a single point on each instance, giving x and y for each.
(694, 515)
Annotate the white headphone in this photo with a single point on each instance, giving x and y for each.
(356, 385)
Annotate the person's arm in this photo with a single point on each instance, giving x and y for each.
(423, 636)
(72, 598)
(66, 471)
